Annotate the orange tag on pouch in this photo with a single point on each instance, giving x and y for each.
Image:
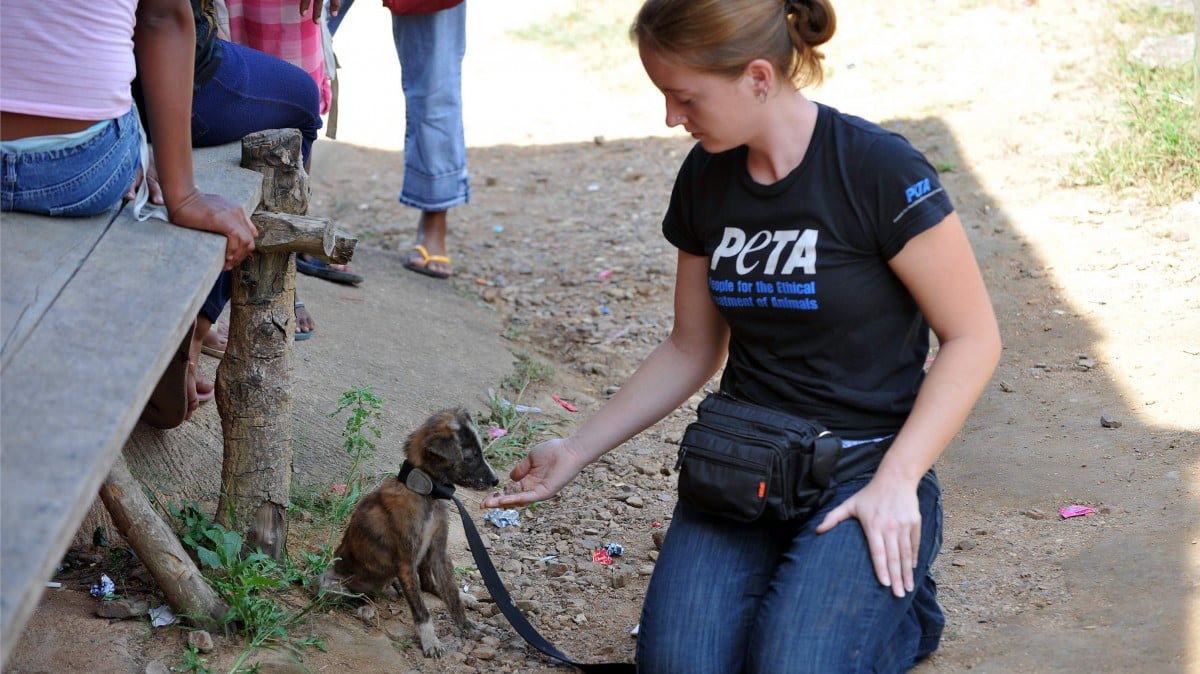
(762, 489)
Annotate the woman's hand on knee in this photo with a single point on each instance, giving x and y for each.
(890, 516)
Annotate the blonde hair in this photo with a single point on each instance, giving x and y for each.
(723, 36)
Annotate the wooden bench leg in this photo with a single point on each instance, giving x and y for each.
(156, 545)
(254, 379)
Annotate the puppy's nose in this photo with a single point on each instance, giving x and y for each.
(495, 481)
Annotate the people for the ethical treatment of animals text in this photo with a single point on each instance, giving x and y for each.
(816, 253)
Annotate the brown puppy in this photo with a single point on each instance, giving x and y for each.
(398, 532)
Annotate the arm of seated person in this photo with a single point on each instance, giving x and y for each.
(164, 43)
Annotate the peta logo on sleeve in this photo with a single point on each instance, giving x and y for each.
(796, 248)
(918, 190)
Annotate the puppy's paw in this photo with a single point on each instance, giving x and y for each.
(367, 613)
(468, 628)
(469, 600)
(430, 645)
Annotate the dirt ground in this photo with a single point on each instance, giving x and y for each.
(1097, 295)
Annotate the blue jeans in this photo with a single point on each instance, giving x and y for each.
(773, 598)
(254, 91)
(251, 91)
(431, 49)
(80, 180)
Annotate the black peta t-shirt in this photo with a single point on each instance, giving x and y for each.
(820, 326)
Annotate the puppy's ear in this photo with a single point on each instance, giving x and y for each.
(444, 442)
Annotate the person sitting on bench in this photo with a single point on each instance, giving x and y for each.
(71, 142)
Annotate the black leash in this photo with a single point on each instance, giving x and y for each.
(504, 602)
(419, 481)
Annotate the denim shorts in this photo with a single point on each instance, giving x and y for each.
(85, 179)
(773, 597)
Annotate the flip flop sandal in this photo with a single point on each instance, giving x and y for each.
(212, 350)
(321, 269)
(301, 336)
(423, 268)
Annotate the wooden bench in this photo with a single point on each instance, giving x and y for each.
(93, 310)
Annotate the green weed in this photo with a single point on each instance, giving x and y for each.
(252, 584)
(190, 662)
(1157, 150)
(528, 370)
(365, 411)
(514, 426)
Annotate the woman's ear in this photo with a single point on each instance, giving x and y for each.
(761, 76)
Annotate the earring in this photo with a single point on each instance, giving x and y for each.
(762, 96)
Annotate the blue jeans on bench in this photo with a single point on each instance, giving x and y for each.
(71, 177)
(766, 598)
(254, 91)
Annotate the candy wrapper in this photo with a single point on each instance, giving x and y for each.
(1075, 511)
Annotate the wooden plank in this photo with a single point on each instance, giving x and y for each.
(73, 386)
(38, 256)
(219, 171)
(72, 392)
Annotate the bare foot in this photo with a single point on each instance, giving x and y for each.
(304, 322)
(216, 340)
(199, 388)
(429, 255)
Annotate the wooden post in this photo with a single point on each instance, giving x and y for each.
(254, 379)
(254, 395)
(160, 551)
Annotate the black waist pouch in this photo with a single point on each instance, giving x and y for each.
(746, 462)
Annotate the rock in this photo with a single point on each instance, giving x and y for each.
(1109, 422)
(635, 501)
(528, 606)
(658, 535)
(557, 569)
(200, 640)
(157, 667)
(965, 544)
(122, 609)
(1034, 514)
(1169, 51)
(483, 652)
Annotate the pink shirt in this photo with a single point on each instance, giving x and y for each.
(67, 58)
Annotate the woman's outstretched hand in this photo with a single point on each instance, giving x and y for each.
(545, 470)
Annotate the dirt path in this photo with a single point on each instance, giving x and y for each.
(1098, 298)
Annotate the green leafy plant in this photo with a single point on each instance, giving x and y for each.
(527, 370)
(1157, 147)
(191, 662)
(251, 583)
(508, 428)
(365, 412)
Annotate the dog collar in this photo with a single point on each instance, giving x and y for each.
(419, 481)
